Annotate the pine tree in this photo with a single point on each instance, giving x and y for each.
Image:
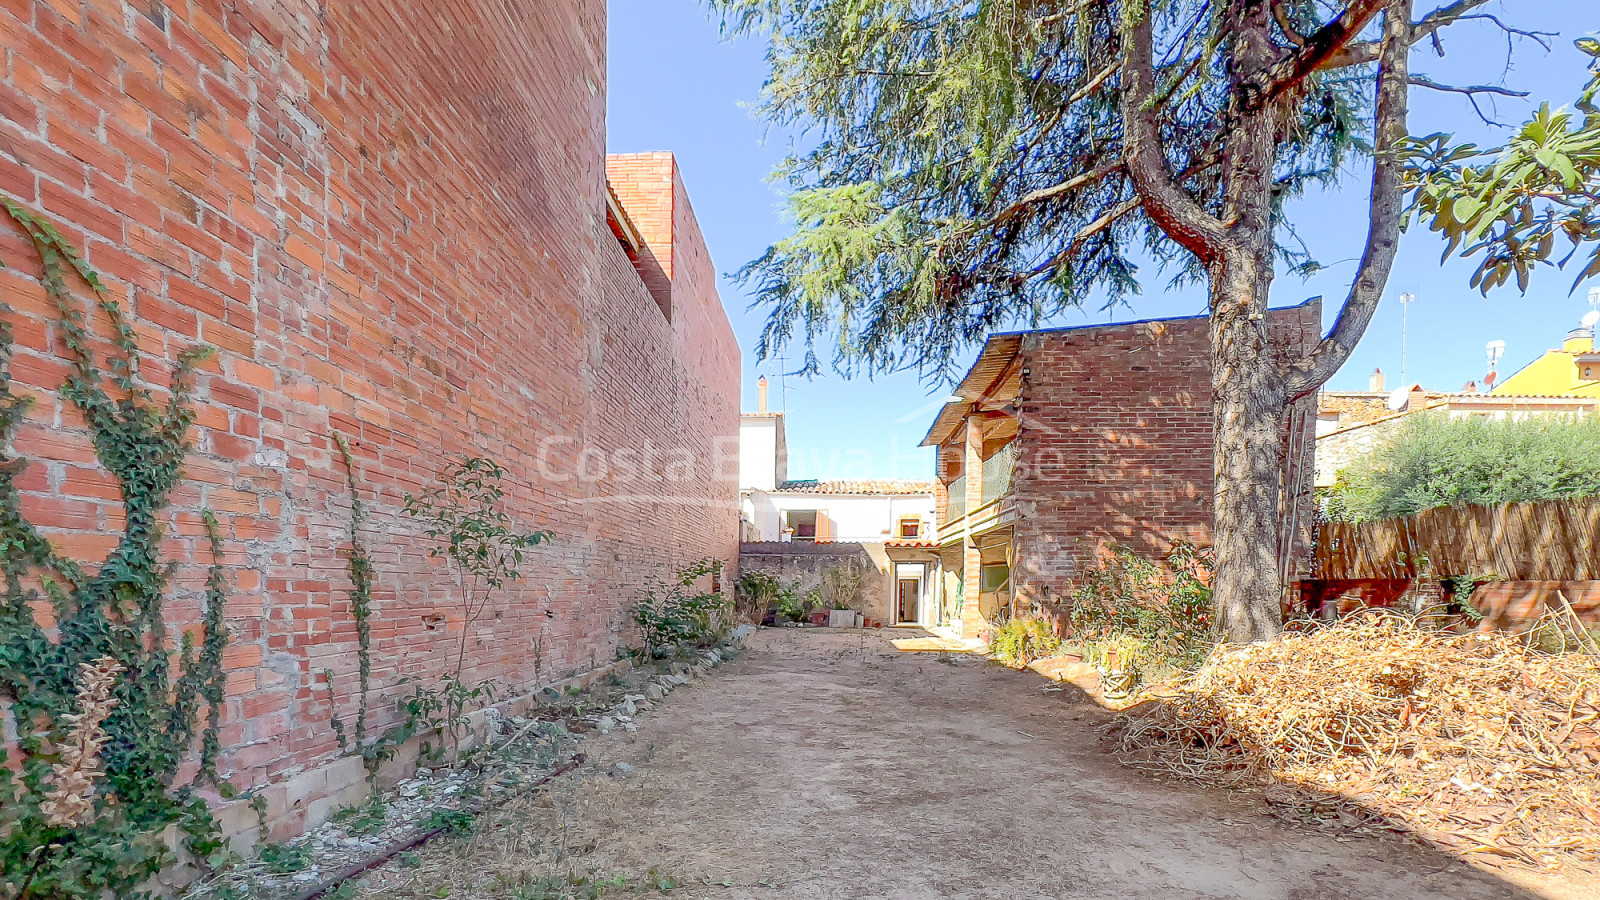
(982, 163)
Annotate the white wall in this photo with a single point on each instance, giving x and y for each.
(855, 517)
(760, 446)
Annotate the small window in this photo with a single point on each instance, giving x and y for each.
(910, 528)
(801, 524)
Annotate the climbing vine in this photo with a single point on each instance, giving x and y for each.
(85, 658)
(359, 565)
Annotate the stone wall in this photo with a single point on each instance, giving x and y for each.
(802, 564)
(390, 221)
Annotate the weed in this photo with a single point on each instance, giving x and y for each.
(284, 859)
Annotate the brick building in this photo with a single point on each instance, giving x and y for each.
(1064, 440)
(393, 222)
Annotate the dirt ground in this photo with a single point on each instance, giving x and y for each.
(825, 764)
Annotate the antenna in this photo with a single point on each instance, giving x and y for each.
(1406, 299)
(1496, 349)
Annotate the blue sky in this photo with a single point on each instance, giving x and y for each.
(676, 84)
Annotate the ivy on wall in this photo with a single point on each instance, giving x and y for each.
(57, 617)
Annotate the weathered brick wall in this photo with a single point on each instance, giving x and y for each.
(389, 218)
(1115, 443)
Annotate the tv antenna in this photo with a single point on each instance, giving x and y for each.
(1406, 299)
(1496, 349)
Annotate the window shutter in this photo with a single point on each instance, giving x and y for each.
(824, 527)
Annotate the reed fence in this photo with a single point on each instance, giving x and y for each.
(1550, 540)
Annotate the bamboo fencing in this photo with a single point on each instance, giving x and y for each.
(1548, 540)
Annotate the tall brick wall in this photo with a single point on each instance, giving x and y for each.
(389, 218)
(1115, 442)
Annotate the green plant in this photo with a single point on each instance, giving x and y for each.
(359, 566)
(789, 605)
(1511, 204)
(367, 818)
(1155, 619)
(455, 821)
(1021, 641)
(669, 614)
(284, 859)
(1432, 461)
(841, 584)
(465, 511)
(166, 698)
(755, 593)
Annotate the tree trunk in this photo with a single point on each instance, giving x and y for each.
(1249, 412)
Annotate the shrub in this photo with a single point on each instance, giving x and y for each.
(1021, 641)
(1433, 461)
(670, 614)
(755, 593)
(1154, 620)
(841, 585)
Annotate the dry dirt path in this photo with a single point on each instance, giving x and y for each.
(828, 765)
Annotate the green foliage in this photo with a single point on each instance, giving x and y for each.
(359, 565)
(790, 605)
(969, 171)
(1021, 641)
(1434, 461)
(1534, 201)
(1154, 619)
(284, 859)
(114, 609)
(465, 511)
(368, 818)
(454, 821)
(755, 593)
(673, 614)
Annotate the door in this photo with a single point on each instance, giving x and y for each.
(910, 592)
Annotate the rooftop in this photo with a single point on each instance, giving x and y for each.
(863, 486)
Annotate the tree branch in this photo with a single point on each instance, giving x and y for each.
(1056, 190)
(1367, 51)
(1315, 51)
(1471, 90)
(1383, 215)
(1168, 206)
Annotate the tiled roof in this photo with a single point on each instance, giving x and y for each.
(867, 486)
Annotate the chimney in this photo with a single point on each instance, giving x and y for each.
(1579, 340)
(1376, 385)
(761, 395)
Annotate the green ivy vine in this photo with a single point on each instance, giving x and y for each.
(359, 566)
(58, 616)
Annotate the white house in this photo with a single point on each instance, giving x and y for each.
(778, 509)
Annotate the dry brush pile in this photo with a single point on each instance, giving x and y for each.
(1475, 743)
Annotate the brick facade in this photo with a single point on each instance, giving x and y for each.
(1115, 442)
(390, 220)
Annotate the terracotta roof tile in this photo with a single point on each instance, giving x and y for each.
(865, 486)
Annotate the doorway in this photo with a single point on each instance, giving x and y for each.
(908, 593)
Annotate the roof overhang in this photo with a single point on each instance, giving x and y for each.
(993, 382)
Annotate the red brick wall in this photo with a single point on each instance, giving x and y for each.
(389, 218)
(1115, 443)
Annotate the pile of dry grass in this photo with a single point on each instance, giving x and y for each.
(1475, 743)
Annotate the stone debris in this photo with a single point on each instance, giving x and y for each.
(356, 834)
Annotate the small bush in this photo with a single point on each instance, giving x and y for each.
(1434, 461)
(1021, 641)
(1155, 620)
(755, 593)
(670, 614)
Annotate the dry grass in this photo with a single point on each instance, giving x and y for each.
(1475, 743)
(69, 799)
